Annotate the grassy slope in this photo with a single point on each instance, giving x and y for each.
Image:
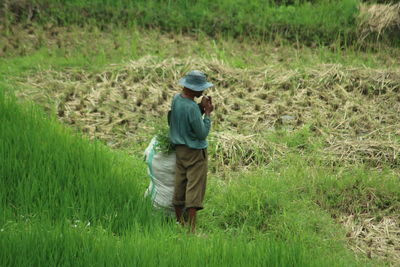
(71, 202)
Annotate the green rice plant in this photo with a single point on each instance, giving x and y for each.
(49, 173)
(299, 139)
(317, 21)
(285, 199)
(359, 191)
(272, 202)
(163, 143)
(45, 244)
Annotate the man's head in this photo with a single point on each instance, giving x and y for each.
(195, 81)
(192, 93)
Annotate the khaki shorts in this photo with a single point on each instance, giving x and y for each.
(190, 177)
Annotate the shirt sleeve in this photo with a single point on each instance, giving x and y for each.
(200, 126)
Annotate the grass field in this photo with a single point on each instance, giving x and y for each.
(71, 202)
(339, 22)
(304, 149)
(316, 22)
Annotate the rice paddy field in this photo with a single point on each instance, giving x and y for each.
(304, 149)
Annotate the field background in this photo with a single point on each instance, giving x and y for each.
(304, 149)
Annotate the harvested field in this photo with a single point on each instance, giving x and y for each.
(354, 110)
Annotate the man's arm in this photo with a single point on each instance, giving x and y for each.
(200, 126)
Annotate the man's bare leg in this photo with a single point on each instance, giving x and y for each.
(192, 220)
(179, 214)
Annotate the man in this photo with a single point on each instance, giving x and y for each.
(188, 132)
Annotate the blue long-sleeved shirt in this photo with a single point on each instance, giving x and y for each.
(187, 126)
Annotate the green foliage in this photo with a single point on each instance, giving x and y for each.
(40, 159)
(163, 143)
(300, 139)
(320, 21)
(65, 245)
(359, 191)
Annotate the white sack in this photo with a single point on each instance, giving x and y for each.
(161, 169)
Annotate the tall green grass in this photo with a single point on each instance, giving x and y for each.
(68, 201)
(48, 173)
(46, 245)
(323, 21)
(297, 195)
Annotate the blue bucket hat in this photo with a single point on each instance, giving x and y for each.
(195, 80)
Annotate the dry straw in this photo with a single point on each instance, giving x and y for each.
(377, 19)
(372, 237)
(355, 110)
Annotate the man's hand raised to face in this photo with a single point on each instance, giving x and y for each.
(208, 107)
(203, 102)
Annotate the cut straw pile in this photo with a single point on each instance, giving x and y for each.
(377, 19)
(354, 110)
(232, 150)
(374, 238)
